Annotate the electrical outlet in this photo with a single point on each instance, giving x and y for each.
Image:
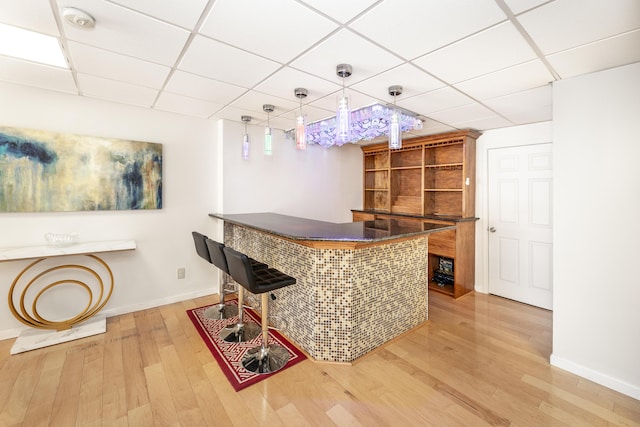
(181, 273)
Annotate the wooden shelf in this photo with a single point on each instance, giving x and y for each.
(406, 168)
(452, 166)
(429, 176)
(445, 289)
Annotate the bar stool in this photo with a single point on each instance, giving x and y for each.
(218, 311)
(264, 358)
(240, 331)
(211, 251)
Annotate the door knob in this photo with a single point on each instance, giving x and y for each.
(492, 229)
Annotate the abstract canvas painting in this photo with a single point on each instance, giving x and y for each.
(43, 171)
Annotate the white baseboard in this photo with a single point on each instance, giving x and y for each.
(157, 303)
(597, 377)
(15, 332)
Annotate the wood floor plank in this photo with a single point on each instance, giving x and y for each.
(163, 409)
(184, 399)
(114, 398)
(65, 405)
(90, 398)
(479, 360)
(41, 403)
(20, 390)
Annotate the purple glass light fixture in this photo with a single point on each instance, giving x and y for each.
(245, 138)
(268, 146)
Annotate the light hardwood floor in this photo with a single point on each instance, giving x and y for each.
(480, 360)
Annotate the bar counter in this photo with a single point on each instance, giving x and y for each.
(358, 286)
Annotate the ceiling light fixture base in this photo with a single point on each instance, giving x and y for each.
(344, 70)
(395, 90)
(78, 18)
(300, 92)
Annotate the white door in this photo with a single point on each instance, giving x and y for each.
(520, 228)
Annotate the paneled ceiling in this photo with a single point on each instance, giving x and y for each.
(480, 64)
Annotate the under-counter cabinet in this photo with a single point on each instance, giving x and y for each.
(430, 179)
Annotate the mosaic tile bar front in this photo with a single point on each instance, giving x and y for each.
(346, 302)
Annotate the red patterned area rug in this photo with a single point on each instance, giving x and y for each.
(229, 355)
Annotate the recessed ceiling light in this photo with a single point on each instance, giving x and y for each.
(32, 46)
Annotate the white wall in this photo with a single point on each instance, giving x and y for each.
(316, 183)
(200, 176)
(596, 322)
(538, 133)
(147, 276)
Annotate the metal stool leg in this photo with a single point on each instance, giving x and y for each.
(265, 358)
(221, 310)
(240, 332)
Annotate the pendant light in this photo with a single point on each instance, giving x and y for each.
(301, 131)
(245, 138)
(268, 146)
(395, 131)
(343, 115)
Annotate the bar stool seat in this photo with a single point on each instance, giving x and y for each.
(264, 358)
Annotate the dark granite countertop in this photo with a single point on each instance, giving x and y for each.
(295, 228)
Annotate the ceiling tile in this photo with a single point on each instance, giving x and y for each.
(127, 32)
(429, 127)
(514, 79)
(413, 81)
(463, 114)
(283, 82)
(412, 28)
(597, 56)
(282, 122)
(243, 23)
(194, 86)
(564, 24)
(35, 15)
(341, 10)
(437, 100)
(491, 50)
(313, 114)
(185, 105)
(186, 15)
(356, 100)
(103, 63)
(486, 123)
(253, 101)
(345, 47)
(519, 6)
(219, 61)
(530, 106)
(31, 74)
(112, 90)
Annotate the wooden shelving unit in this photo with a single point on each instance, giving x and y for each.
(430, 179)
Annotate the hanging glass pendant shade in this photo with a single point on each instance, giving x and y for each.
(301, 122)
(343, 114)
(395, 131)
(245, 138)
(268, 141)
